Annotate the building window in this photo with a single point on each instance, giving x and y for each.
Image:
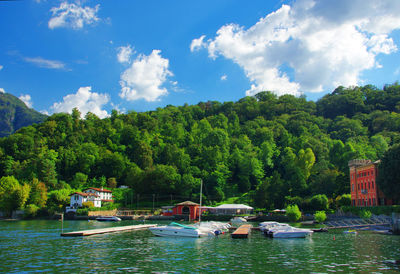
(369, 186)
(352, 188)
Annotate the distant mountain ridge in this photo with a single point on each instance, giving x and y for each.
(14, 114)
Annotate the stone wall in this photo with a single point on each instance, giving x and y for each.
(103, 213)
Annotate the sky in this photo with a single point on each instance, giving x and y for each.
(141, 55)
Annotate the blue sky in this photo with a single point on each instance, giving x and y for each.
(141, 55)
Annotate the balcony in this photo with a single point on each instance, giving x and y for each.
(364, 191)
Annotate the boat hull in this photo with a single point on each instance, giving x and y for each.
(175, 232)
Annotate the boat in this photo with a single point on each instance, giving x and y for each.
(350, 231)
(269, 229)
(322, 229)
(108, 219)
(237, 221)
(178, 230)
(290, 232)
(268, 225)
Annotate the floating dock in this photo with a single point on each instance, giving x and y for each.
(105, 230)
(242, 232)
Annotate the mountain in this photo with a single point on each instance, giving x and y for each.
(14, 114)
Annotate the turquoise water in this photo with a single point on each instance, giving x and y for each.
(36, 246)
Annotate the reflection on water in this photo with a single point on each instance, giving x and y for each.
(28, 246)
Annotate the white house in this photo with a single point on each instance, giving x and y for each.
(104, 194)
(95, 195)
(78, 198)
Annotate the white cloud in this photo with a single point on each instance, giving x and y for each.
(145, 77)
(44, 63)
(124, 54)
(198, 44)
(2, 90)
(26, 98)
(1, 67)
(224, 77)
(72, 16)
(85, 100)
(325, 43)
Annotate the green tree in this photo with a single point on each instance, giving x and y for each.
(319, 202)
(12, 194)
(38, 193)
(320, 216)
(293, 213)
(389, 177)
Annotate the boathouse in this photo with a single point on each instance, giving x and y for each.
(187, 208)
(364, 190)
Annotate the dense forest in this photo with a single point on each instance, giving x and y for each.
(265, 149)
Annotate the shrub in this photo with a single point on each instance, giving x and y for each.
(296, 200)
(82, 211)
(87, 204)
(31, 210)
(344, 200)
(293, 213)
(320, 216)
(319, 202)
(365, 214)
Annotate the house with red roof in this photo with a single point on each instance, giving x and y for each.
(92, 194)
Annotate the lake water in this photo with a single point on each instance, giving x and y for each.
(36, 246)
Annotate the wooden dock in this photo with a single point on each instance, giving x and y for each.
(242, 232)
(105, 230)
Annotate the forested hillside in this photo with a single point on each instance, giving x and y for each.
(14, 114)
(265, 149)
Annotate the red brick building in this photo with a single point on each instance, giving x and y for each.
(364, 191)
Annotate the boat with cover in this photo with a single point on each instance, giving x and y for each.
(238, 221)
(289, 232)
(178, 230)
(108, 219)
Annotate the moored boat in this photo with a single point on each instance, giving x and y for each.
(290, 232)
(178, 230)
(108, 219)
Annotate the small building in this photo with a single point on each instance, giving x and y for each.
(187, 208)
(364, 190)
(231, 209)
(78, 198)
(95, 195)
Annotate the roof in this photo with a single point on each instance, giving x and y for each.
(234, 206)
(99, 189)
(84, 194)
(188, 203)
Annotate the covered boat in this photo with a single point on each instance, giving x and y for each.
(108, 219)
(289, 232)
(178, 230)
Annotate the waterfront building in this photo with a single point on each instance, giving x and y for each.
(95, 195)
(364, 190)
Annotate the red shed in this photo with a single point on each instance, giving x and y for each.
(187, 208)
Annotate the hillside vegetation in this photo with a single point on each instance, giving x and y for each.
(266, 149)
(14, 114)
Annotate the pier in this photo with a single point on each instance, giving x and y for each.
(242, 232)
(105, 230)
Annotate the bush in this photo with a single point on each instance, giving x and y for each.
(320, 216)
(293, 213)
(82, 211)
(319, 202)
(31, 210)
(344, 200)
(365, 214)
(296, 200)
(88, 204)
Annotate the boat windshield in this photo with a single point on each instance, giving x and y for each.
(180, 225)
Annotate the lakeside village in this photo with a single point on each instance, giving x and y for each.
(366, 197)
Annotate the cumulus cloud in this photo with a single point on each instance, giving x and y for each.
(85, 100)
(325, 43)
(44, 63)
(1, 67)
(224, 77)
(72, 16)
(26, 98)
(124, 54)
(145, 77)
(198, 43)
(2, 90)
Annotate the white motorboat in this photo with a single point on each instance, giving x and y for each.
(268, 229)
(216, 228)
(289, 232)
(178, 230)
(237, 221)
(268, 225)
(108, 219)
